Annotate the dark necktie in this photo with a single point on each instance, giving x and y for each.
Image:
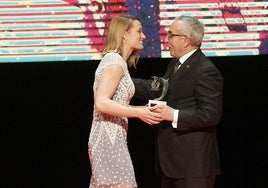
(176, 66)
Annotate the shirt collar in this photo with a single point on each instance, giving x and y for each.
(186, 56)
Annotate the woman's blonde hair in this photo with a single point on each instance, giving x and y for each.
(114, 39)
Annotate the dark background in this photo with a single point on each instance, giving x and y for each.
(46, 111)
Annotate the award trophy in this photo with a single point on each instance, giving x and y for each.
(155, 86)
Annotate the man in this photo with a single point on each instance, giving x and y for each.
(186, 145)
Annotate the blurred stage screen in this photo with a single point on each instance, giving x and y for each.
(74, 30)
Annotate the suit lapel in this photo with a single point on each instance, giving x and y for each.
(183, 69)
(168, 75)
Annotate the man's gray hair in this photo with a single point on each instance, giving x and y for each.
(193, 28)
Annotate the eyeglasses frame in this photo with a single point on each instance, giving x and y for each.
(171, 35)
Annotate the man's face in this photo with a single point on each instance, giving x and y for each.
(175, 40)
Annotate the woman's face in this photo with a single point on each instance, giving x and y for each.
(134, 37)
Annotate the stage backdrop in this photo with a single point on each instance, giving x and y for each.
(74, 30)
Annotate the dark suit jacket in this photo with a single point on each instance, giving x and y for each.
(196, 90)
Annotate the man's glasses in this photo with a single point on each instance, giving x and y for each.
(170, 35)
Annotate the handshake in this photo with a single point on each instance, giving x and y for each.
(159, 113)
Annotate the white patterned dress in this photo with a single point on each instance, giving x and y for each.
(107, 147)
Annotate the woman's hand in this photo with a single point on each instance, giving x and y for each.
(149, 115)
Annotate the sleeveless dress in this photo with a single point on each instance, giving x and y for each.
(107, 147)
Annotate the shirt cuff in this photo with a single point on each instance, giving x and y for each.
(175, 118)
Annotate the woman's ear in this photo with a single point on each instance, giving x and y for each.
(125, 35)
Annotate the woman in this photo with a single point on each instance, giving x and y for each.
(113, 89)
